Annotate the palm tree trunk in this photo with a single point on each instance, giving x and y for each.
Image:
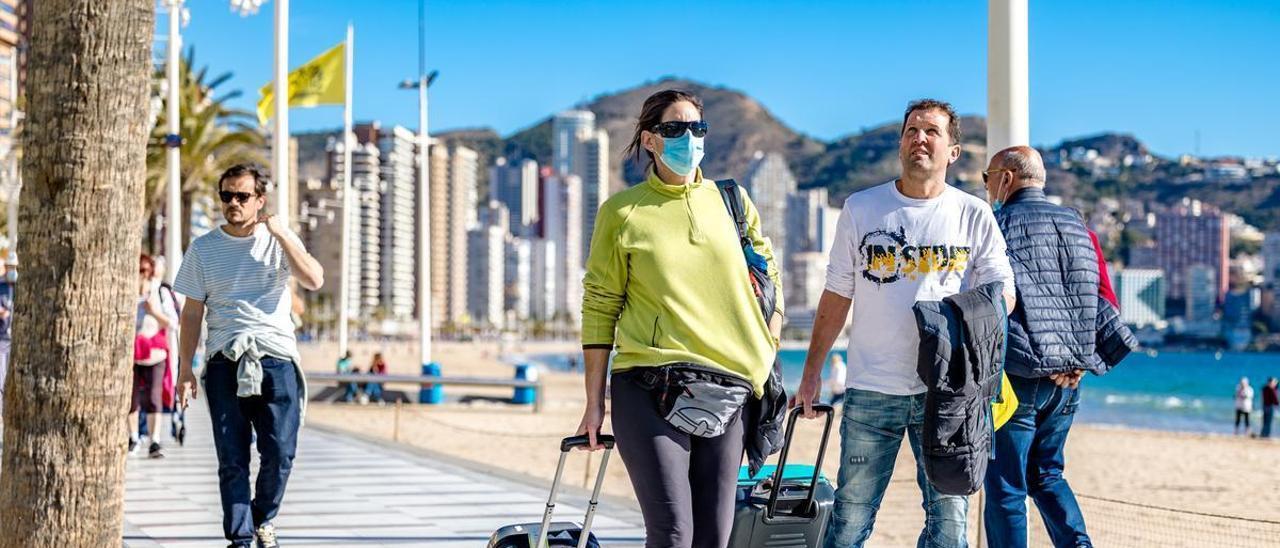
(62, 479)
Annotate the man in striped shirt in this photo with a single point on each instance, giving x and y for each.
(237, 278)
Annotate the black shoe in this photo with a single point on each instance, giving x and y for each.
(154, 451)
(182, 435)
(133, 444)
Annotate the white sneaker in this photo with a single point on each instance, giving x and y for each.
(266, 534)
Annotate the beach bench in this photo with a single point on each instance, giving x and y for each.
(426, 381)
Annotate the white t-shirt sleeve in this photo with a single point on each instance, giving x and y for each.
(990, 261)
(842, 265)
(190, 278)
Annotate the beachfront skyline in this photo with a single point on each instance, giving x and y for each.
(1167, 75)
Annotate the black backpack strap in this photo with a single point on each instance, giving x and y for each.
(733, 202)
(173, 296)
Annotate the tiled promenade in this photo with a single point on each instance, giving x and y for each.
(346, 492)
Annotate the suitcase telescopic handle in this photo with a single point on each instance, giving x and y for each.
(830, 413)
(565, 445)
(582, 441)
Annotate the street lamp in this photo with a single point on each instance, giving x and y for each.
(246, 7)
(424, 219)
(178, 16)
(279, 133)
(424, 197)
(414, 84)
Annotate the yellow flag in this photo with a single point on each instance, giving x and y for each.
(321, 81)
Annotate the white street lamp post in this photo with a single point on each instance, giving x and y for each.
(280, 130)
(173, 201)
(424, 193)
(1008, 118)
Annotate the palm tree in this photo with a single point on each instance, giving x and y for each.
(83, 164)
(214, 138)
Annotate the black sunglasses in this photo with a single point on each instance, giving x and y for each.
(226, 196)
(671, 130)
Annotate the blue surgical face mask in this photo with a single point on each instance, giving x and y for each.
(682, 154)
(998, 203)
(11, 276)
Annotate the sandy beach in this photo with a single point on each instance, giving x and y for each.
(1128, 480)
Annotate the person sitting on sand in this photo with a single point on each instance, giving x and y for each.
(373, 390)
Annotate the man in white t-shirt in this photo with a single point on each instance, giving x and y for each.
(911, 239)
(236, 279)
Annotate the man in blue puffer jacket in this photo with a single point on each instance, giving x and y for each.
(1059, 329)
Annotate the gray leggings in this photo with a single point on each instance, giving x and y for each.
(685, 484)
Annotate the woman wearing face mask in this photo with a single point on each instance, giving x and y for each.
(668, 287)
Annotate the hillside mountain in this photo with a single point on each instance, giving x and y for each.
(1109, 145)
(741, 126)
(859, 161)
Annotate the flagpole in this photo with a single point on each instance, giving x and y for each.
(344, 293)
(280, 134)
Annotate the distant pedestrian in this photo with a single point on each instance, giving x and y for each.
(170, 306)
(150, 357)
(6, 320)
(373, 390)
(836, 378)
(1270, 400)
(1244, 404)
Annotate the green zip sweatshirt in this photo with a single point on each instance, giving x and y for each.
(667, 282)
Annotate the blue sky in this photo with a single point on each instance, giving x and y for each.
(1160, 70)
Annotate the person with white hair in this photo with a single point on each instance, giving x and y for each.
(1244, 404)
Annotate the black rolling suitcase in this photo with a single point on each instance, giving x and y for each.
(793, 516)
(560, 533)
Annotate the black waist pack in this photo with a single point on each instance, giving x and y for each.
(697, 400)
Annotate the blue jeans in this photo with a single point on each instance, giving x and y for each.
(1268, 412)
(1028, 461)
(374, 390)
(871, 433)
(351, 392)
(274, 416)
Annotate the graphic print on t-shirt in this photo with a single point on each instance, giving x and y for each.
(887, 256)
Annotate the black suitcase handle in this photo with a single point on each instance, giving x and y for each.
(582, 441)
(830, 412)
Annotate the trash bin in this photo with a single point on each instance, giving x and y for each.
(525, 395)
(431, 393)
